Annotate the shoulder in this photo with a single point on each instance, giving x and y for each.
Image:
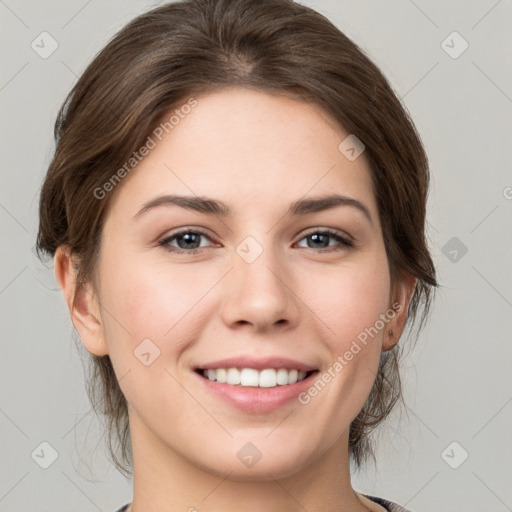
(123, 508)
(388, 505)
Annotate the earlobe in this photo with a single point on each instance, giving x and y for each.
(82, 303)
(399, 306)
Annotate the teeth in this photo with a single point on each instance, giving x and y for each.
(233, 376)
(268, 378)
(282, 377)
(249, 377)
(221, 375)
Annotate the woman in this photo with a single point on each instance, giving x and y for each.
(236, 210)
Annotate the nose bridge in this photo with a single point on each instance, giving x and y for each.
(259, 291)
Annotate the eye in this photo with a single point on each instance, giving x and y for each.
(320, 240)
(187, 240)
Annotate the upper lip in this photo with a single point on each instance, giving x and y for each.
(258, 363)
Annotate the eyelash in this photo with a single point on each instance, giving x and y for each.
(346, 243)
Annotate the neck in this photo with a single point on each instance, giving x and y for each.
(164, 480)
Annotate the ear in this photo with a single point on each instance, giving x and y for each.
(400, 298)
(82, 303)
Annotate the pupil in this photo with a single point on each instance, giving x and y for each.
(317, 236)
(188, 237)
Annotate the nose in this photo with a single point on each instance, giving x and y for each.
(260, 294)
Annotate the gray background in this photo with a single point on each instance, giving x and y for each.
(457, 379)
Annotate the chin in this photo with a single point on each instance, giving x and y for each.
(276, 464)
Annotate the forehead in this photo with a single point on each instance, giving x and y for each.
(251, 149)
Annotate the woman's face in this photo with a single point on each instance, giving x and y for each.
(182, 289)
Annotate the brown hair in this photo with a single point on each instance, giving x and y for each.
(192, 47)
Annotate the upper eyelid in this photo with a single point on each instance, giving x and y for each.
(330, 231)
(182, 231)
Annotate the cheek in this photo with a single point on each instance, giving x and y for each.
(156, 302)
(352, 299)
(149, 322)
(356, 297)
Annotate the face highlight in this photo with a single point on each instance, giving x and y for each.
(245, 233)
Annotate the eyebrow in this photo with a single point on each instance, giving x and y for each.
(215, 207)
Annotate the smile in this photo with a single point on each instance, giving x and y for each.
(255, 391)
(251, 377)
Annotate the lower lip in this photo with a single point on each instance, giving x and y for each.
(256, 399)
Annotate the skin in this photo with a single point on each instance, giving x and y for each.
(257, 153)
